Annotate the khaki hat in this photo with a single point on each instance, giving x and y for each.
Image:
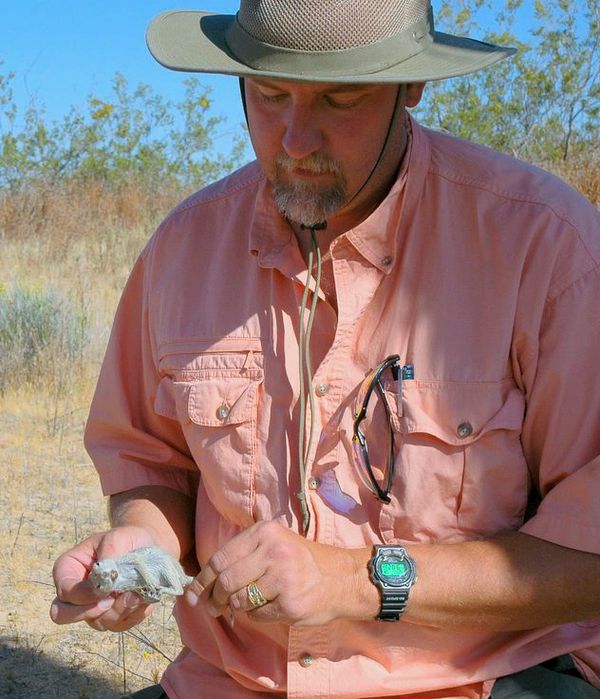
(354, 41)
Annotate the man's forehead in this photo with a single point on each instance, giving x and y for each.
(291, 85)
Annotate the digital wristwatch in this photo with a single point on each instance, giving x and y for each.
(394, 573)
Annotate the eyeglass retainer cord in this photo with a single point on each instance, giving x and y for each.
(304, 335)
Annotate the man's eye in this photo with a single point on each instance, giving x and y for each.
(343, 103)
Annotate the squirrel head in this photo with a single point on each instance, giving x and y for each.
(103, 575)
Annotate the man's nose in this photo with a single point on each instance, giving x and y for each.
(302, 136)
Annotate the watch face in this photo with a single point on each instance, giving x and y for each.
(395, 570)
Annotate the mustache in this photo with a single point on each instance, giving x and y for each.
(316, 162)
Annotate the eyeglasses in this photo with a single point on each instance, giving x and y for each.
(380, 482)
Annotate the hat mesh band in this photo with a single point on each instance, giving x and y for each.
(328, 25)
(356, 61)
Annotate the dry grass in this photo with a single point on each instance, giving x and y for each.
(83, 243)
(582, 173)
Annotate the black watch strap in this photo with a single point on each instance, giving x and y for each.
(393, 604)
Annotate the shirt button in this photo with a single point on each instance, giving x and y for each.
(322, 389)
(313, 483)
(465, 429)
(222, 412)
(387, 261)
(306, 660)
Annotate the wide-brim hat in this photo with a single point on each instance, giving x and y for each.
(319, 41)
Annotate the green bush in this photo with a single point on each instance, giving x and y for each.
(134, 135)
(42, 335)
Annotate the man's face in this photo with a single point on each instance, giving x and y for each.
(319, 142)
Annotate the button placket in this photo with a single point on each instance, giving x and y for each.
(308, 669)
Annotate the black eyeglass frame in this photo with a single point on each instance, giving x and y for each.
(392, 362)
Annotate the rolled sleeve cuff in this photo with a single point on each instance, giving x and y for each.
(126, 476)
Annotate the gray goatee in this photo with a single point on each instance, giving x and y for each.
(308, 202)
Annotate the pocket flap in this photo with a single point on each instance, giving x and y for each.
(230, 401)
(459, 413)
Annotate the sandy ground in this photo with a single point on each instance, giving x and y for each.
(49, 499)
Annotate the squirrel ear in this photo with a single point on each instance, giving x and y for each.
(113, 575)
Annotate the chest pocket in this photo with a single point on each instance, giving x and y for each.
(460, 469)
(213, 391)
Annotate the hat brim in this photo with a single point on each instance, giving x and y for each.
(196, 42)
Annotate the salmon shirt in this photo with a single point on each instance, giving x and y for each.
(480, 271)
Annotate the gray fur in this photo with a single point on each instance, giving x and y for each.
(150, 571)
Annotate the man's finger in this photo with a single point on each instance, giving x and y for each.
(121, 540)
(76, 592)
(195, 590)
(234, 581)
(242, 545)
(248, 599)
(70, 572)
(65, 613)
(115, 620)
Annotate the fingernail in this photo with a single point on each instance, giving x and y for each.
(213, 611)
(105, 603)
(191, 598)
(53, 611)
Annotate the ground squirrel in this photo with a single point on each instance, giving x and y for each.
(150, 571)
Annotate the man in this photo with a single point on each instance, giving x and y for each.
(452, 490)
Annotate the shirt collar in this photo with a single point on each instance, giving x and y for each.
(375, 237)
(270, 233)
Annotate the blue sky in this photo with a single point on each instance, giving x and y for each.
(62, 51)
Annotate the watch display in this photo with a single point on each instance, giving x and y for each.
(393, 569)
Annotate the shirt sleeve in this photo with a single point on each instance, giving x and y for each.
(130, 443)
(561, 432)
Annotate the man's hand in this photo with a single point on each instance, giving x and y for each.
(76, 599)
(305, 583)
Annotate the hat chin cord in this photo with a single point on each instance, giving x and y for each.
(396, 114)
(304, 333)
(305, 368)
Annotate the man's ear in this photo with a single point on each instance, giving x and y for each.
(414, 92)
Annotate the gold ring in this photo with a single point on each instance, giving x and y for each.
(256, 597)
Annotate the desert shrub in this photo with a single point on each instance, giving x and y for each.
(42, 335)
(134, 135)
(542, 105)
